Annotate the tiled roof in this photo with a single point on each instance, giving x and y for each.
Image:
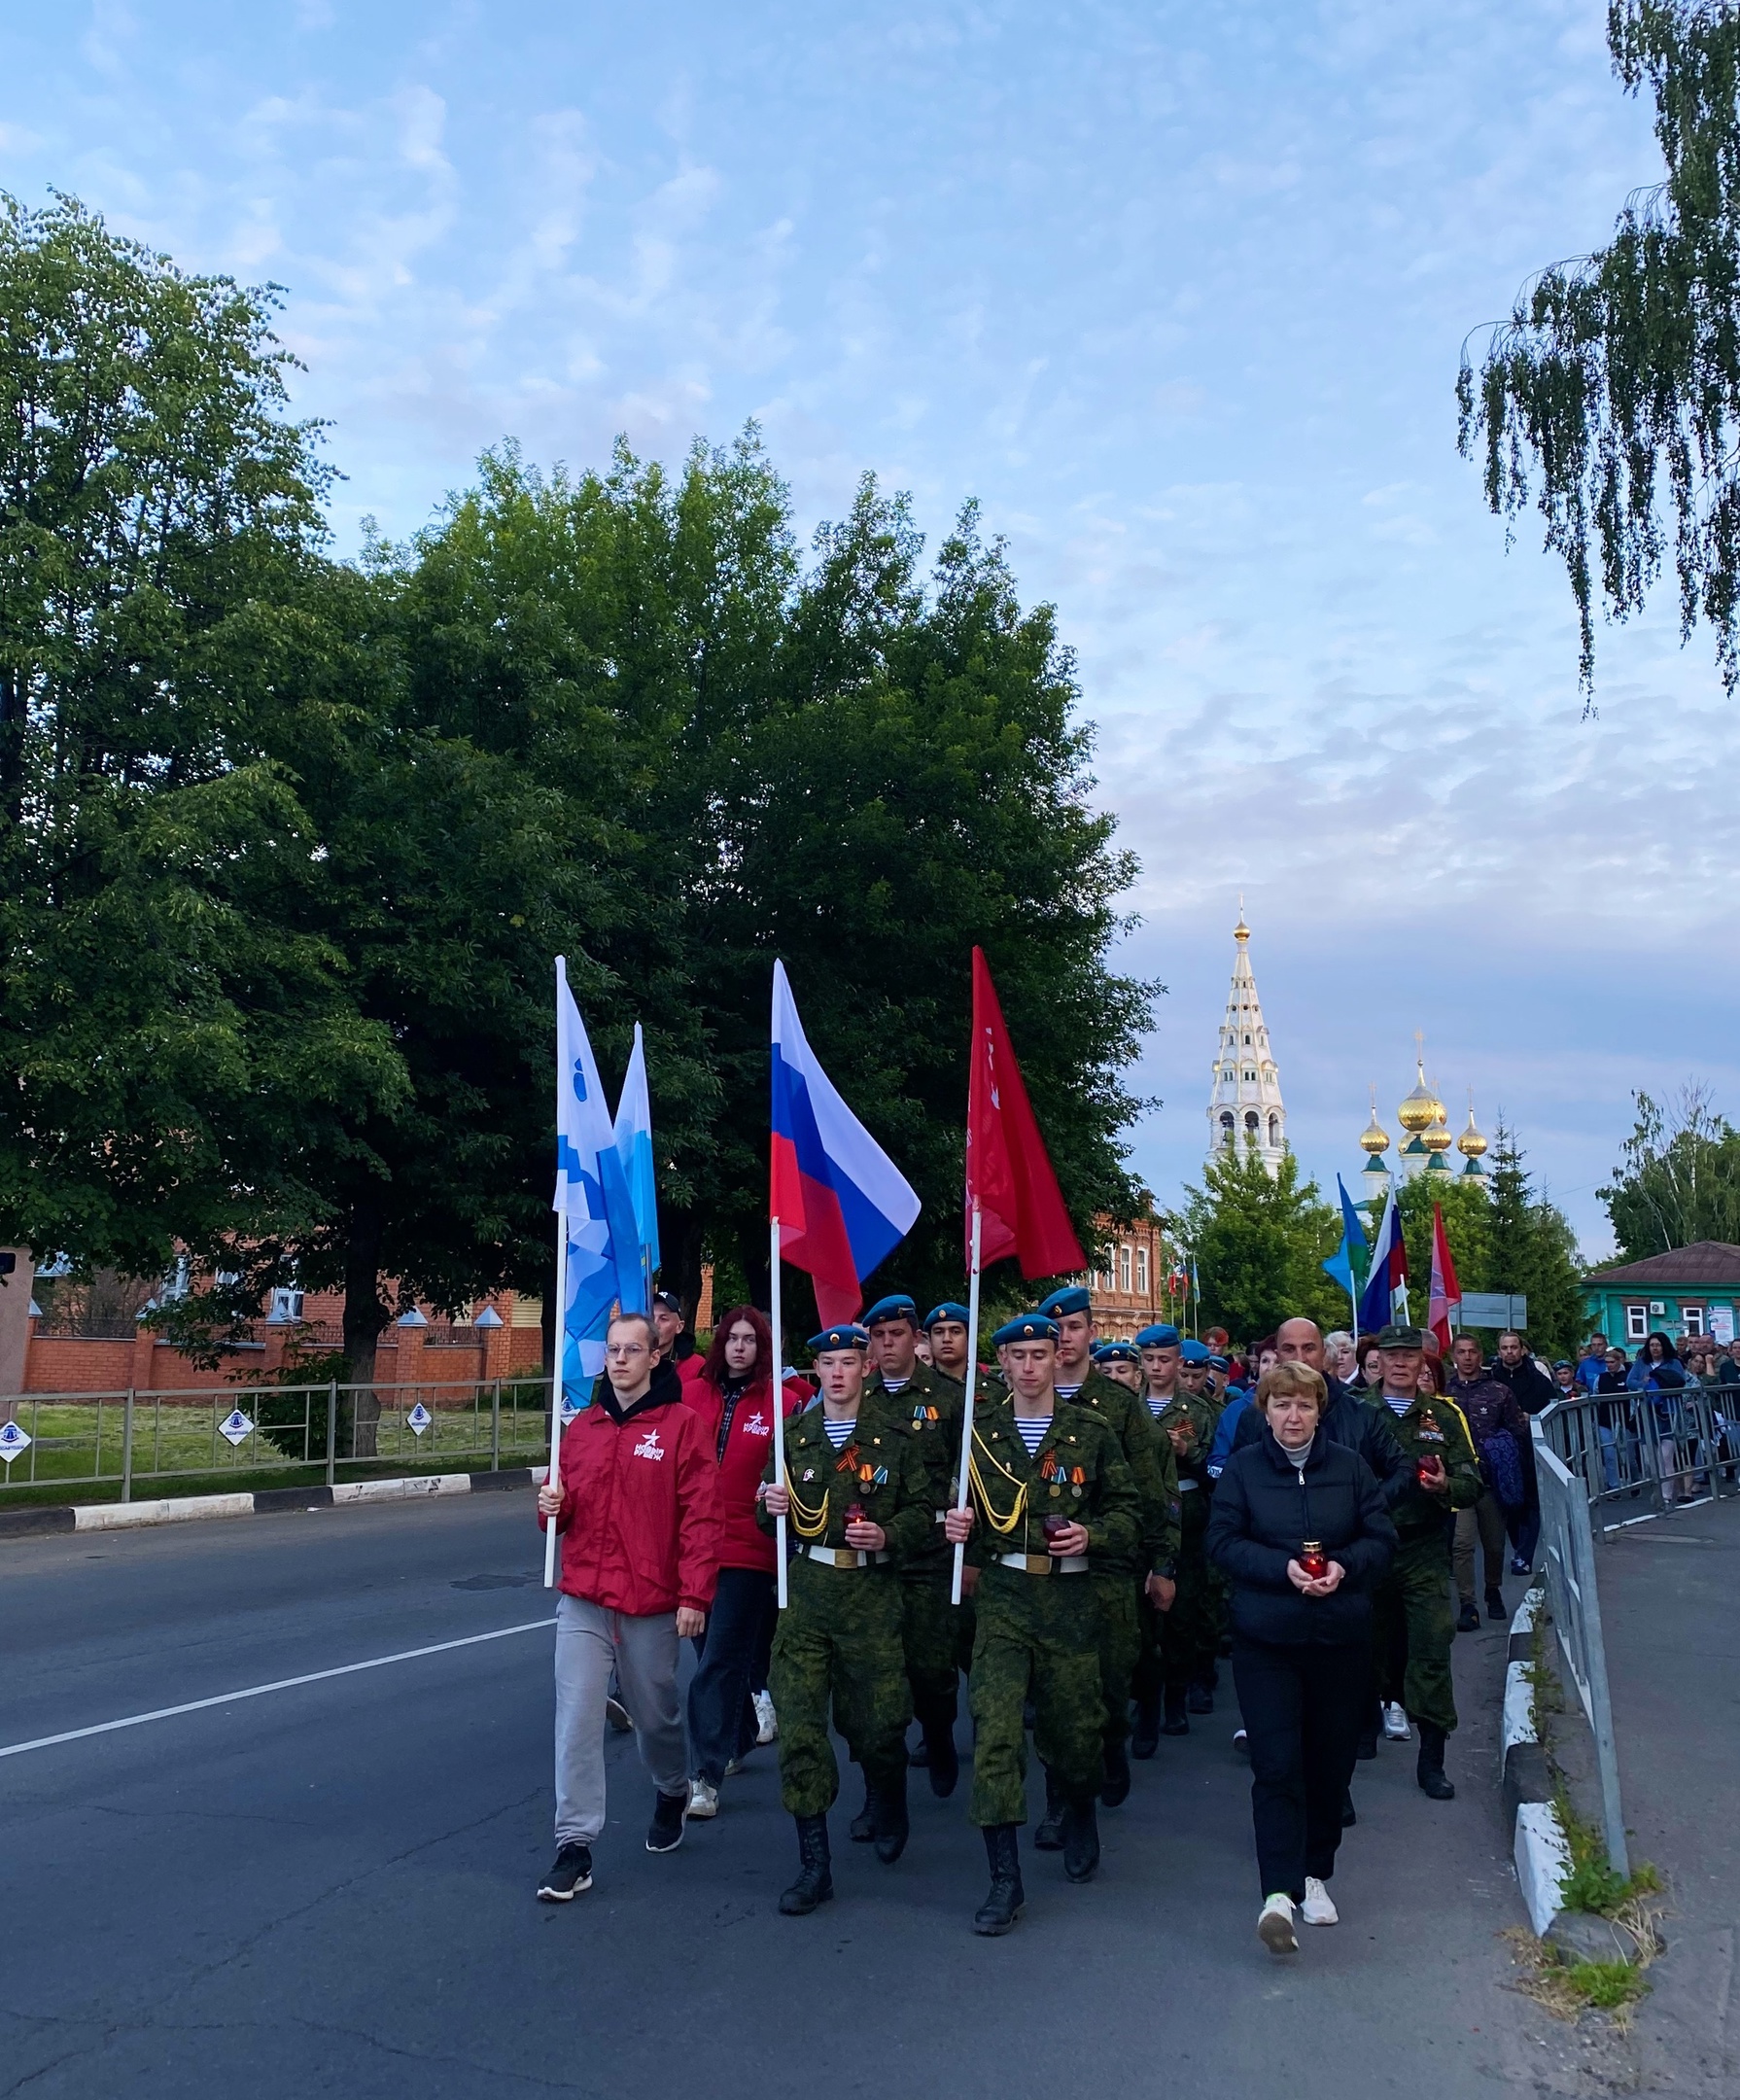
(1703, 1263)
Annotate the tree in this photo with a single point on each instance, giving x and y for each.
(1260, 1240)
(1467, 1223)
(1620, 369)
(1679, 1176)
(1532, 1249)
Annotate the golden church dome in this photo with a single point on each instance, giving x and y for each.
(1435, 1137)
(1421, 1108)
(1471, 1144)
(1374, 1140)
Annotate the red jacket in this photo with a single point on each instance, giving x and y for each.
(748, 1444)
(640, 1520)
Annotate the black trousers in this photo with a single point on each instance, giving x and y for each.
(1302, 1707)
(721, 1717)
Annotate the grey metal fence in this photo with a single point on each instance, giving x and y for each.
(1652, 1450)
(1568, 1545)
(132, 1437)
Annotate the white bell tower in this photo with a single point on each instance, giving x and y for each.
(1245, 1104)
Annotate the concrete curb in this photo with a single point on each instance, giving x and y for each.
(264, 1502)
(1541, 1855)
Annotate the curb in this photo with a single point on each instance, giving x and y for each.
(1542, 1857)
(263, 1502)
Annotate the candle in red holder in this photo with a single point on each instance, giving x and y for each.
(1312, 1559)
(1423, 1472)
(854, 1513)
(1053, 1526)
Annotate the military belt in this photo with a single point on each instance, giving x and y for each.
(1031, 1563)
(1188, 1486)
(942, 1516)
(843, 1556)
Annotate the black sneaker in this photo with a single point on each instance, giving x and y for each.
(1469, 1619)
(568, 1877)
(668, 1811)
(1495, 1604)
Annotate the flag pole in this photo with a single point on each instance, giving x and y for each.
(779, 1369)
(967, 1415)
(558, 1389)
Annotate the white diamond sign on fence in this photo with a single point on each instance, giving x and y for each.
(237, 1426)
(418, 1420)
(13, 1442)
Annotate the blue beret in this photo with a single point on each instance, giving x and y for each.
(1217, 1363)
(1026, 1328)
(1072, 1299)
(948, 1310)
(897, 1306)
(1197, 1353)
(1161, 1336)
(1117, 1352)
(849, 1336)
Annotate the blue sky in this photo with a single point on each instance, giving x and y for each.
(1179, 293)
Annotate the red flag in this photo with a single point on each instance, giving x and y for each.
(1445, 1292)
(1008, 1173)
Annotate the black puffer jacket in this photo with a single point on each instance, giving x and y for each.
(1265, 1509)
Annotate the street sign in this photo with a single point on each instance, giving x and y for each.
(418, 1420)
(13, 1442)
(235, 1426)
(1494, 1308)
(570, 1409)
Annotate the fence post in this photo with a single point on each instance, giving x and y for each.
(495, 1430)
(126, 1450)
(331, 1430)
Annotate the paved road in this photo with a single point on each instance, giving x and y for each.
(328, 1889)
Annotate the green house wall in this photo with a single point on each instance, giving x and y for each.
(1605, 1305)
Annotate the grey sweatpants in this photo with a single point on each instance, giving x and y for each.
(589, 1641)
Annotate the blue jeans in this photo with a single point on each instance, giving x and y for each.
(721, 1713)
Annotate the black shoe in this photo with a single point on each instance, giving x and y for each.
(940, 1753)
(1049, 1837)
(1080, 1840)
(862, 1827)
(1349, 1813)
(1177, 1720)
(1495, 1604)
(1366, 1746)
(1429, 1771)
(1202, 1696)
(1002, 1904)
(1468, 1619)
(1144, 1736)
(669, 1811)
(568, 1877)
(891, 1825)
(1519, 1566)
(815, 1882)
(1115, 1790)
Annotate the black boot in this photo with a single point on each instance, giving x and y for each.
(1002, 1904)
(1080, 1840)
(1429, 1771)
(815, 1882)
(1049, 1837)
(1115, 1788)
(862, 1826)
(1144, 1737)
(1201, 1695)
(941, 1754)
(1495, 1604)
(1177, 1720)
(1467, 1619)
(891, 1825)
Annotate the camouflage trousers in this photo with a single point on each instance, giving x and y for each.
(1118, 1602)
(930, 1638)
(1037, 1637)
(1413, 1627)
(838, 1645)
(1179, 1646)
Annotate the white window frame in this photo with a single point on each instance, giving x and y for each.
(1124, 1258)
(1691, 1317)
(1141, 1271)
(1636, 1323)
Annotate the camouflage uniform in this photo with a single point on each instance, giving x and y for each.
(1178, 1646)
(1037, 1634)
(931, 1404)
(838, 1636)
(1412, 1623)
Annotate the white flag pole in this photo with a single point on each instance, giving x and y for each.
(966, 1416)
(773, 1320)
(558, 1388)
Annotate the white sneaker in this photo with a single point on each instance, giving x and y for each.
(1274, 1926)
(1395, 1725)
(767, 1722)
(1317, 1908)
(734, 1767)
(704, 1800)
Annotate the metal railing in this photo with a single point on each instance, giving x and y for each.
(131, 1437)
(1654, 1450)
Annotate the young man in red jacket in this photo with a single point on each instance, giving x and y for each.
(636, 1505)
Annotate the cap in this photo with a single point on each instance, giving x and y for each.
(948, 1310)
(1117, 1352)
(1026, 1328)
(1196, 1352)
(848, 1335)
(897, 1306)
(1218, 1363)
(1072, 1298)
(1394, 1337)
(1157, 1337)
(670, 1301)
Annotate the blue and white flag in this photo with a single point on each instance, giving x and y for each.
(1348, 1263)
(591, 1195)
(634, 1148)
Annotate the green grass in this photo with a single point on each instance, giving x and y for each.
(1605, 1985)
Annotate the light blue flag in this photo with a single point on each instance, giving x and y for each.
(1349, 1262)
(592, 1194)
(634, 1148)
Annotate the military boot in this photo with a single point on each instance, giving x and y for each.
(1144, 1736)
(815, 1882)
(1081, 1840)
(1049, 1837)
(1177, 1720)
(862, 1827)
(891, 1825)
(1429, 1771)
(1001, 1907)
(943, 1759)
(1115, 1788)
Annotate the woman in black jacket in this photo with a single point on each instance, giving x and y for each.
(1298, 1525)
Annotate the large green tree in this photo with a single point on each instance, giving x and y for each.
(1532, 1249)
(1260, 1240)
(1611, 396)
(1677, 1178)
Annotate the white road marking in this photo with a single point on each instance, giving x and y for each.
(259, 1691)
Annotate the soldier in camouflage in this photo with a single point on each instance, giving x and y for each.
(1049, 1493)
(857, 1502)
(1178, 1649)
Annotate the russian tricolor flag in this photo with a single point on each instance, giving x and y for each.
(1388, 1273)
(842, 1204)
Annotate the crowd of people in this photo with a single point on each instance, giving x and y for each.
(1135, 1513)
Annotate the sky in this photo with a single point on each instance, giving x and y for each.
(1178, 295)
